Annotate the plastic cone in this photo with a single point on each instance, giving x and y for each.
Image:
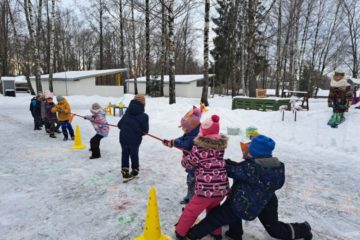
(78, 142)
(152, 229)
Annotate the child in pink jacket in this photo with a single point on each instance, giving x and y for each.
(211, 180)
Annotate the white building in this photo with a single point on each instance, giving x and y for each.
(105, 83)
(185, 85)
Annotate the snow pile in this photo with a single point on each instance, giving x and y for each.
(49, 191)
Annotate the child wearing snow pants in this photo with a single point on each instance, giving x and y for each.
(212, 184)
(133, 125)
(253, 195)
(64, 115)
(190, 124)
(98, 120)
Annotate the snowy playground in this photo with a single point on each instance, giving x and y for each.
(49, 191)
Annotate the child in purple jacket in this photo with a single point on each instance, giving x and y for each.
(101, 127)
(211, 180)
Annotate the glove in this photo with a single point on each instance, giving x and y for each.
(230, 162)
(87, 117)
(168, 143)
(60, 110)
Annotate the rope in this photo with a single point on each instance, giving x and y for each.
(148, 134)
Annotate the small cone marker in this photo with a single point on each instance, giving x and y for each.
(152, 223)
(78, 142)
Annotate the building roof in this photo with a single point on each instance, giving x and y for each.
(183, 79)
(77, 75)
(356, 81)
(18, 79)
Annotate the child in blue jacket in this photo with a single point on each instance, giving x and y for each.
(133, 125)
(190, 124)
(253, 196)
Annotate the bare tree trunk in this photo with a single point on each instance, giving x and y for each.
(134, 46)
(101, 40)
(204, 95)
(34, 41)
(163, 47)
(4, 28)
(252, 6)
(122, 48)
(147, 46)
(278, 49)
(52, 45)
(172, 93)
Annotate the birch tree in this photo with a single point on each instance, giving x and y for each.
(204, 95)
(52, 45)
(172, 93)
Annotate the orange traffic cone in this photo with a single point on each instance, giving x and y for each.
(78, 142)
(152, 223)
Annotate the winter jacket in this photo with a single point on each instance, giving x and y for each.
(43, 109)
(255, 181)
(133, 124)
(35, 107)
(186, 142)
(99, 123)
(207, 157)
(340, 98)
(63, 109)
(50, 115)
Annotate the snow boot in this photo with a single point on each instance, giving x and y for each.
(184, 201)
(94, 157)
(179, 237)
(232, 237)
(52, 135)
(216, 237)
(126, 175)
(72, 137)
(301, 230)
(65, 138)
(134, 172)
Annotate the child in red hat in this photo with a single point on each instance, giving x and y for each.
(211, 180)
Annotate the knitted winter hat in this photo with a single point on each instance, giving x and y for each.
(340, 72)
(251, 132)
(60, 98)
(48, 94)
(140, 98)
(95, 108)
(261, 146)
(210, 127)
(191, 119)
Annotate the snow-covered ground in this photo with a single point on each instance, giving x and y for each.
(48, 191)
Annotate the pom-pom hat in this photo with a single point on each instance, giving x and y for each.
(210, 127)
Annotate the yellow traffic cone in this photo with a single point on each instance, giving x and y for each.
(78, 142)
(152, 223)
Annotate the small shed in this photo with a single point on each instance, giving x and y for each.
(8, 87)
(189, 86)
(107, 83)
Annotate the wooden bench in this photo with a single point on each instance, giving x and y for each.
(261, 104)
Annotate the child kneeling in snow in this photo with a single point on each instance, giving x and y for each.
(253, 195)
(212, 185)
(101, 127)
(133, 125)
(190, 124)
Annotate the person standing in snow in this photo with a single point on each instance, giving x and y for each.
(101, 127)
(35, 109)
(190, 124)
(211, 180)
(43, 113)
(64, 115)
(133, 125)
(51, 117)
(252, 195)
(340, 98)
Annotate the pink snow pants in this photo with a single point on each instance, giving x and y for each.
(193, 210)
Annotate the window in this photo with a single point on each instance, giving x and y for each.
(108, 80)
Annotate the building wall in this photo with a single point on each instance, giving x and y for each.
(189, 90)
(84, 86)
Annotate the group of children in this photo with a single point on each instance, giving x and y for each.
(50, 115)
(256, 179)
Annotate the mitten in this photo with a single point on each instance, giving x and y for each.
(168, 143)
